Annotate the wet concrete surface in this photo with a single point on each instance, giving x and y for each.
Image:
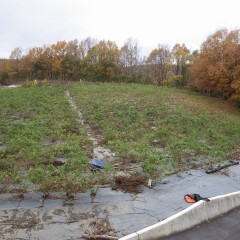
(34, 217)
(222, 228)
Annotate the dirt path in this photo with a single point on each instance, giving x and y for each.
(99, 152)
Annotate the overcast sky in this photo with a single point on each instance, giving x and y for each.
(29, 23)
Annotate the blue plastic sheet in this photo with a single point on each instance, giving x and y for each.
(97, 163)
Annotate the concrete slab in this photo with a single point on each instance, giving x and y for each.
(224, 228)
(9, 205)
(125, 212)
(30, 203)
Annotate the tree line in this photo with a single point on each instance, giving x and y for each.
(96, 61)
(214, 69)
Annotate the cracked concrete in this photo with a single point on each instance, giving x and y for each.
(33, 217)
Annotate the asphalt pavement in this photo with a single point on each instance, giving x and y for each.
(226, 227)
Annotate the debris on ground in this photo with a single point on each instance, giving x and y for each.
(192, 198)
(101, 229)
(97, 164)
(18, 197)
(100, 237)
(94, 191)
(59, 162)
(130, 183)
(149, 182)
(28, 223)
(220, 167)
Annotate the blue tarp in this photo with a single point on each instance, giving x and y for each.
(97, 163)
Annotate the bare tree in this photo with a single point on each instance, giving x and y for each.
(159, 61)
(16, 53)
(86, 45)
(129, 57)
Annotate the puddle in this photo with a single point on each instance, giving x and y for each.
(99, 152)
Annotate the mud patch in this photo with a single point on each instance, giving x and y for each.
(130, 183)
(234, 156)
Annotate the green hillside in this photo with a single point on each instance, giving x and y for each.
(163, 130)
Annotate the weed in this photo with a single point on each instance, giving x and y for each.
(29, 117)
(161, 128)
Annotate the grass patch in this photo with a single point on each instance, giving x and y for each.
(163, 129)
(37, 126)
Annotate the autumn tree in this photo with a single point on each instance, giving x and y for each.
(180, 55)
(12, 65)
(159, 61)
(102, 61)
(4, 76)
(216, 69)
(70, 63)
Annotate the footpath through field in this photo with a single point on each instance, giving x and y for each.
(109, 212)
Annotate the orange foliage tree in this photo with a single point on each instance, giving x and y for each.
(180, 55)
(160, 61)
(102, 61)
(216, 69)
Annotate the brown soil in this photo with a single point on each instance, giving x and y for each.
(101, 227)
(132, 183)
(11, 190)
(235, 156)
